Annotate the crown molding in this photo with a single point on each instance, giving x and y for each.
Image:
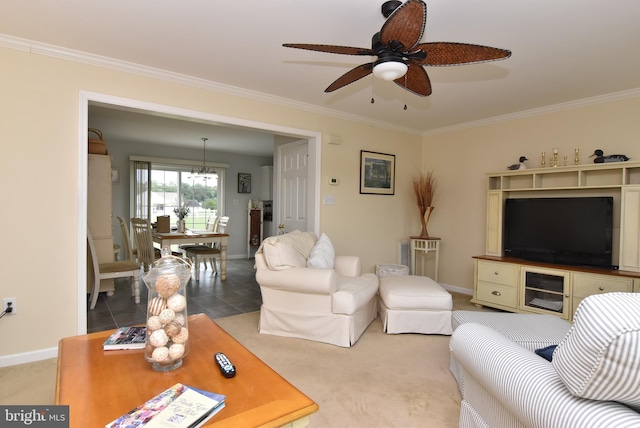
(168, 76)
(132, 68)
(585, 102)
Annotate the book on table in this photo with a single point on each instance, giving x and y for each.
(126, 338)
(180, 406)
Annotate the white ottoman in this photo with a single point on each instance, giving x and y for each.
(414, 304)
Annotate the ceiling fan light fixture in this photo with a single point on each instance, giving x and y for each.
(400, 53)
(390, 70)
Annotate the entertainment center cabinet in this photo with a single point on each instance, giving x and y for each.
(517, 285)
(521, 286)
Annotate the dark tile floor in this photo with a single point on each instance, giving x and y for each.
(238, 294)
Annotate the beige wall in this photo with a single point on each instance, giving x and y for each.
(39, 166)
(461, 159)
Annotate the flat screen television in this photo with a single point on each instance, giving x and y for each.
(570, 231)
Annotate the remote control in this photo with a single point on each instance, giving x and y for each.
(226, 368)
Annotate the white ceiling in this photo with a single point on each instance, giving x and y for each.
(130, 126)
(563, 51)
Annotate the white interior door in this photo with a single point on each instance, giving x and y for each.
(293, 213)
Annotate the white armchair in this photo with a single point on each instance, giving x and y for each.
(334, 304)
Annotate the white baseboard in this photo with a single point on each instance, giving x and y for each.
(457, 289)
(28, 357)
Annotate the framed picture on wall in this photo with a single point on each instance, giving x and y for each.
(244, 182)
(377, 173)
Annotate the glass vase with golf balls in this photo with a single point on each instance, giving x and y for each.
(167, 329)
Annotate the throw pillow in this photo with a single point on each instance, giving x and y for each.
(289, 250)
(599, 359)
(322, 254)
(302, 242)
(546, 353)
(280, 256)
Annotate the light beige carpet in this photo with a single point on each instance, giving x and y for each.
(32, 383)
(381, 381)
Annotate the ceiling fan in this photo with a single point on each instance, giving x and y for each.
(400, 55)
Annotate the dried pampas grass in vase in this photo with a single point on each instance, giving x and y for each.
(424, 186)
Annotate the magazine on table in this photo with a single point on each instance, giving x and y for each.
(180, 406)
(126, 338)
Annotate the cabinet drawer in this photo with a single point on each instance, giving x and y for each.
(498, 273)
(585, 285)
(497, 294)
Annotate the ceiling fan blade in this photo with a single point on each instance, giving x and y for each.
(416, 80)
(344, 50)
(406, 24)
(351, 76)
(444, 53)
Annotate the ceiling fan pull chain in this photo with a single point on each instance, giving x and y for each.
(373, 81)
(405, 92)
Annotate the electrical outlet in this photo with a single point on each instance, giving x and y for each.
(5, 305)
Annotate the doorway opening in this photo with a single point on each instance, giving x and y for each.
(89, 98)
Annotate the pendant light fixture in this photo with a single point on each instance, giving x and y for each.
(204, 169)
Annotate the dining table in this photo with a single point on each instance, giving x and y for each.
(194, 236)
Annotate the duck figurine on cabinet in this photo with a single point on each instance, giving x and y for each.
(519, 165)
(601, 158)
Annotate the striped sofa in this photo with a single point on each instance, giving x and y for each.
(593, 379)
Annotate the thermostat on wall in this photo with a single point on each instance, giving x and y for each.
(333, 181)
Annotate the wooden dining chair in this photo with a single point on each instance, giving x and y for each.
(129, 252)
(146, 253)
(211, 225)
(111, 270)
(223, 223)
(202, 253)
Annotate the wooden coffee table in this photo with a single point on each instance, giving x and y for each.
(99, 386)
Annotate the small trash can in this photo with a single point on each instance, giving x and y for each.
(389, 270)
